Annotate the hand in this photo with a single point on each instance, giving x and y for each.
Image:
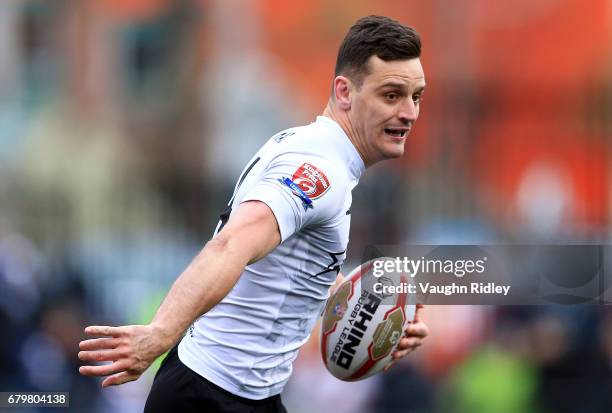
(413, 338)
(131, 349)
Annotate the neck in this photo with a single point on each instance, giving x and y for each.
(342, 119)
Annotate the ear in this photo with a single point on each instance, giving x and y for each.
(343, 89)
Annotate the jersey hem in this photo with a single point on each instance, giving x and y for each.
(222, 382)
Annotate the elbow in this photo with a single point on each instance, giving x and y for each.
(223, 248)
(218, 244)
(228, 247)
(231, 248)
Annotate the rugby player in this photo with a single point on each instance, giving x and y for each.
(249, 300)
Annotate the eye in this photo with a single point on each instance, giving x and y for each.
(391, 97)
(417, 98)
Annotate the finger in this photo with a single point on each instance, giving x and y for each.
(120, 378)
(98, 344)
(418, 313)
(103, 331)
(389, 365)
(398, 354)
(100, 355)
(106, 369)
(419, 330)
(408, 343)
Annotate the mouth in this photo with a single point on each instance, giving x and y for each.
(397, 132)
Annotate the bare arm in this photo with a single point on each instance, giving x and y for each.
(250, 234)
(339, 279)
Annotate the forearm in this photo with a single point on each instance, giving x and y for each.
(209, 278)
(339, 279)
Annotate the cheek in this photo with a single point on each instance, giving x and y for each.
(380, 113)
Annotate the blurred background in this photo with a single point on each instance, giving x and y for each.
(125, 123)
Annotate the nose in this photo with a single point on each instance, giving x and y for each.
(408, 111)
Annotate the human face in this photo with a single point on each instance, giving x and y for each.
(383, 110)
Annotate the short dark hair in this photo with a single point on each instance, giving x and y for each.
(375, 35)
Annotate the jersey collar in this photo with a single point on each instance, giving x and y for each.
(349, 152)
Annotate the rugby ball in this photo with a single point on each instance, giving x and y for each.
(363, 323)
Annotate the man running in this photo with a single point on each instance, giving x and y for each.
(249, 300)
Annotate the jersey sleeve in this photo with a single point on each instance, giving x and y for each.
(300, 191)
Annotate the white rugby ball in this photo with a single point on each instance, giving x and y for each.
(360, 327)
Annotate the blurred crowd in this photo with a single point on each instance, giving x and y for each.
(124, 124)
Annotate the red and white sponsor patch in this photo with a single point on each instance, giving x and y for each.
(311, 180)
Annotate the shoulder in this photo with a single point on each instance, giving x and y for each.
(306, 152)
(314, 171)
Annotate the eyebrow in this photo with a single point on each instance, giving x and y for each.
(402, 86)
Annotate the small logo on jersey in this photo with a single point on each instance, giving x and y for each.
(297, 191)
(339, 310)
(282, 135)
(311, 180)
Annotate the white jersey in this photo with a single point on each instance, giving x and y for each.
(246, 344)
